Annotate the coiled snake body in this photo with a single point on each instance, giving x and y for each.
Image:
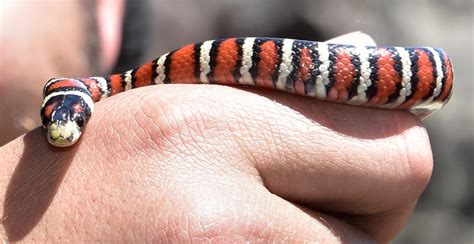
(416, 79)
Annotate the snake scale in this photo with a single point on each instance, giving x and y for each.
(416, 79)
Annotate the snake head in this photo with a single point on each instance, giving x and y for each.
(64, 117)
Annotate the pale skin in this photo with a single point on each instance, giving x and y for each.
(199, 162)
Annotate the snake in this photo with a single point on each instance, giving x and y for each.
(417, 79)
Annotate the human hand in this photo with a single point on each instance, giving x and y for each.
(198, 162)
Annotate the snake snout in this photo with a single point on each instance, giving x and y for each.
(63, 133)
(65, 125)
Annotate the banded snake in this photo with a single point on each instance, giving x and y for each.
(416, 79)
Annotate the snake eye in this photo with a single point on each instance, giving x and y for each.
(80, 121)
(79, 118)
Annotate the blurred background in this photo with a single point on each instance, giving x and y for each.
(445, 213)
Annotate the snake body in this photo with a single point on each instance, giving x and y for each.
(416, 79)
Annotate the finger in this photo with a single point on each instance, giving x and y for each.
(356, 161)
(354, 38)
